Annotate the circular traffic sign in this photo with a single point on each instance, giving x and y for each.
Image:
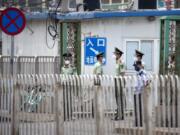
(12, 21)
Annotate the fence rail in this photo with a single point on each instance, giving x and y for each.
(73, 105)
(30, 65)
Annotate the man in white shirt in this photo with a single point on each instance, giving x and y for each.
(142, 82)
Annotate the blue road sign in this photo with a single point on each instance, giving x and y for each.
(93, 46)
(12, 21)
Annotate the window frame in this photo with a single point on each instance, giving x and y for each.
(139, 47)
(114, 6)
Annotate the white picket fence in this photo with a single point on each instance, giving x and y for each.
(30, 65)
(73, 105)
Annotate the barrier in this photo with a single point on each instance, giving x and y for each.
(30, 65)
(64, 105)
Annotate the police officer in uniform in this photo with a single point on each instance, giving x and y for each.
(119, 70)
(141, 74)
(98, 69)
(142, 83)
(138, 57)
(119, 62)
(171, 64)
(67, 69)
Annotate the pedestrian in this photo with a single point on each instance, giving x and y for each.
(98, 69)
(138, 57)
(171, 65)
(67, 69)
(119, 70)
(119, 62)
(137, 96)
(142, 82)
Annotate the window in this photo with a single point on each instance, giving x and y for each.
(105, 1)
(146, 46)
(177, 4)
(72, 3)
(115, 4)
(131, 46)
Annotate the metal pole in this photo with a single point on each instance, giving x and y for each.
(12, 55)
(11, 73)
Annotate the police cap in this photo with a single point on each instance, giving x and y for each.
(138, 53)
(101, 54)
(118, 51)
(67, 55)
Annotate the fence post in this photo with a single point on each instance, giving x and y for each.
(18, 65)
(1, 65)
(59, 109)
(15, 122)
(147, 111)
(99, 111)
(56, 65)
(36, 65)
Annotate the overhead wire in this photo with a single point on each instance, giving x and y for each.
(47, 44)
(52, 27)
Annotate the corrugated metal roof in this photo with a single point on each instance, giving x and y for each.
(103, 14)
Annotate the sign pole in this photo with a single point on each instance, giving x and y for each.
(12, 55)
(11, 70)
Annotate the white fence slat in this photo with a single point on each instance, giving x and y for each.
(178, 100)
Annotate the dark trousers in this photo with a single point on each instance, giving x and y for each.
(119, 98)
(138, 109)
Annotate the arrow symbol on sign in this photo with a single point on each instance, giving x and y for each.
(95, 51)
